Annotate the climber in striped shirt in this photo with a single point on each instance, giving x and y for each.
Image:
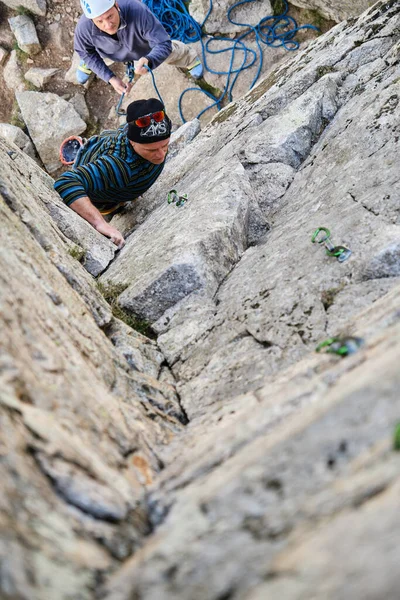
(116, 167)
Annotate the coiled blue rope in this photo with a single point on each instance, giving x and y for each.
(274, 31)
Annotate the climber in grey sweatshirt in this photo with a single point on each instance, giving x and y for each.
(127, 31)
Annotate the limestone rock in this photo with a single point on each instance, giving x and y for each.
(37, 7)
(25, 33)
(49, 120)
(340, 10)
(184, 135)
(12, 73)
(16, 136)
(3, 55)
(39, 77)
(58, 35)
(284, 481)
(79, 103)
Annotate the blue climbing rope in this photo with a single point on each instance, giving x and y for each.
(274, 31)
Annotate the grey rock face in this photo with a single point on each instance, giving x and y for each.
(336, 11)
(39, 77)
(37, 7)
(80, 422)
(284, 483)
(50, 120)
(16, 136)
(12, 73)
(25, 33)
(184, 135)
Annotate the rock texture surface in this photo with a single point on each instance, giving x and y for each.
(339, 10)
(50, 120)
(227, 459)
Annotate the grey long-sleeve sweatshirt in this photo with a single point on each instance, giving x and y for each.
(140, 34)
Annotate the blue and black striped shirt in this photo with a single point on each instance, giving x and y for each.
(108, 171)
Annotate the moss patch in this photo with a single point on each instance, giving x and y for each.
(16, 117)
(261, 89)
(225, 113)
(323, 70)
(278, 7)
(77, 252)
(22, 56)
(21, 10)
(328, 296)
(111, 292)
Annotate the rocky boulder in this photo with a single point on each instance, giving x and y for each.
(37, 7)
(50, 120)
(24, 30)
(15, 135)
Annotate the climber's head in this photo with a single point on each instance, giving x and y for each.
(149, 129)
(104, 14)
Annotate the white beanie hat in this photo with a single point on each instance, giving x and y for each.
(94, 8)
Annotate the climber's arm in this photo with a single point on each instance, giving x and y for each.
(92, 215)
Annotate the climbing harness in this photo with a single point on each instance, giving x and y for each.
(341, 346)
(69, 149)
(174, 197)
(130, 72)
(274, 31)
(341, 252)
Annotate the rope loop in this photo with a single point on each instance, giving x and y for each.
(273, 31)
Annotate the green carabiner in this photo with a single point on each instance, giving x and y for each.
(172, 196)
(317, 232)
(341, 346)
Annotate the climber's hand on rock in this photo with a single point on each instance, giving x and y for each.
(140, 69)
(112, 233)
(119, 86)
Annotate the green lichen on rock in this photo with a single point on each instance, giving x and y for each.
(323, 70)
(22, 56)
(278, 7)
(111, 293)
(261, 89)
(396, 440)
(16, 117)
(225, 113)
(22, 10)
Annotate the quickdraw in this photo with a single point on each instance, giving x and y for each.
(341, 252)
(341, 346)
(130, 72)
(174, 197)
